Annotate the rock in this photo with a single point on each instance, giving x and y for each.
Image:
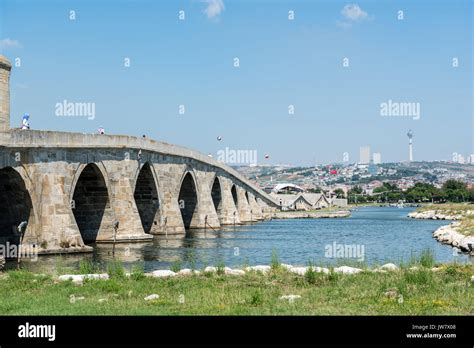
(472, 278)
(391, 293)
(378, 270)
(290, 298)
(449, 235)
(439, 215)
(347, 270)
(258, 268)
(79, 278)
(185, 272)
(152, 297)
(286, 266)
(234, 272)
(210, 269)
(389, 267)
(298, 270)
(414, 268)
(436, 269)
(102, 300)
(302, 270)
(161, 273)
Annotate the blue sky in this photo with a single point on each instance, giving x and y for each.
(282, 63)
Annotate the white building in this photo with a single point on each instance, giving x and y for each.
(364, 155)
(377, 158)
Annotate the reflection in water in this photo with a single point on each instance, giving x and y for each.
(386, 233)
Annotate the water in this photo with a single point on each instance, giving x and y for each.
(386, 234)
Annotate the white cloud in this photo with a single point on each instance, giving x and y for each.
(214, 8)
(9, 43)
(353, 12)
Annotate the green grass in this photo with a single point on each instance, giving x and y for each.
(451, 208)
(176, 266)
(275, 261)
(448, 291)
(467, 226)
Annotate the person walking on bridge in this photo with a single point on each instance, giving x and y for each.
(25, 124)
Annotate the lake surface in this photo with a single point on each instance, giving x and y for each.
(384, 233)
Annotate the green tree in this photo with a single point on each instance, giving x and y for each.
(455, 191)
(339, 193)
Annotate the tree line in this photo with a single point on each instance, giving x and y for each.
(451, 191)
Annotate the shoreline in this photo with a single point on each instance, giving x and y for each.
(310, 214)
(449, 234)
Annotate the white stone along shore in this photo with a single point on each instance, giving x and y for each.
(310, 214)
(448, 234)
(438, 215)
(264, 269)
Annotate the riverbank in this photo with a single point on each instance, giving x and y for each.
(415, 289)
(311, 214)
(460, 233)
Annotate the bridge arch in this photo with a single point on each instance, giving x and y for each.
(188, 198)
(216, 194)
(15, 205)
(235, 197)
(146, 195)
(90, 201)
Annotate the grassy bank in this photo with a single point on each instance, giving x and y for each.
(407, 292)
(466, 226)
(448, 208)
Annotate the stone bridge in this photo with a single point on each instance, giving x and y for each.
(73, 188)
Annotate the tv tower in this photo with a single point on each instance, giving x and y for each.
(410, 144)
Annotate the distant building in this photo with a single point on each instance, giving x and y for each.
(287, 188)
(377, 158)
(339, 202)
(461, 159)
(364, 155)
(306, 201)
(372, 169)
(471, 159)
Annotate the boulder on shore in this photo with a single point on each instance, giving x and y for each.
(347, 270)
